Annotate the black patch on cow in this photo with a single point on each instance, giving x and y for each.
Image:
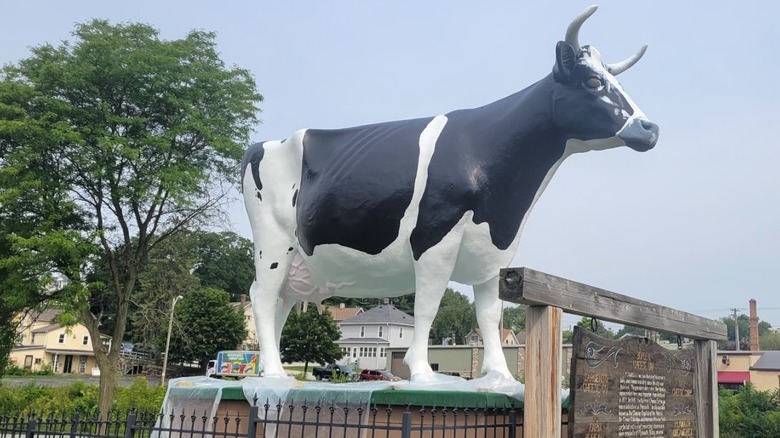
(258, 195)
(356, 184)
(289, 249)
(274, 265)
(295, 198)
(491, 160)
(252, 157)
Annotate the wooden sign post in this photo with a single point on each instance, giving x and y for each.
(544, 292)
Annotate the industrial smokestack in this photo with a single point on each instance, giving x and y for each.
(753, 326)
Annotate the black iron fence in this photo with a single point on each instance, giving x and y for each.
(266, 421)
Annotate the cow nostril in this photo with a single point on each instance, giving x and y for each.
(647, 125)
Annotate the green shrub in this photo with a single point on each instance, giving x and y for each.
(81, 397)
(749, 413)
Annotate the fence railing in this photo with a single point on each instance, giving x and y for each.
(272, 420)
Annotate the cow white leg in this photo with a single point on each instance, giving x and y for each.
(272, 261)
(488, 307)
(432, 273)
(283, 311)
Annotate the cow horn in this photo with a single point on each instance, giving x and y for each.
(573, 32)
(620, 67)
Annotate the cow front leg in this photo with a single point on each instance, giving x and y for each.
(488, 307)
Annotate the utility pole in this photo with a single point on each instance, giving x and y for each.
(736, 329)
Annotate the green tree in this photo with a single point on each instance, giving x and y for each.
(602, 330)
(770, 341)
(205, 323)
(42, 232)
(514, 318)
(455, 319)
(143, 136)
(310, 337)
(764, 328)
(224, 261)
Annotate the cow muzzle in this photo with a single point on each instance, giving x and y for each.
(639, 134)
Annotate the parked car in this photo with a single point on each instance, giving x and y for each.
(334, 371)
(378, 375)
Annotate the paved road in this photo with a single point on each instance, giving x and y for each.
(64, 380)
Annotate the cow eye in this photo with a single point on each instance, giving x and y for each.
(594, 83)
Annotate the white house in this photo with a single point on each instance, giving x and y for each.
(366, 336)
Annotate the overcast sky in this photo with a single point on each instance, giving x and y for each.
(692, 224)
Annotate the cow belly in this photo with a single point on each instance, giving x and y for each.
(351, 273)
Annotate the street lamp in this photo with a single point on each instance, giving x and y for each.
(168, 341)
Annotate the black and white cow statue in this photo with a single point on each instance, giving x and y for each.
(404, 207)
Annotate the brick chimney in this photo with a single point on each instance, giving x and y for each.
(753, 326)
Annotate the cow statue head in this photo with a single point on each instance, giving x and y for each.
(589, 103)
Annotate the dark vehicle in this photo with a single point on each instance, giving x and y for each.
(334, 371)
(378, 375)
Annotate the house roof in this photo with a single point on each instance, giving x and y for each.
(769, 361)
(382, 314)
(362, 341)
(342, 313)
(47, 328)
(45, 315)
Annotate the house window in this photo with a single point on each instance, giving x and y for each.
(20, 339)
(37, 361)
(83, 364)
(85, 340)
(32, 341)
(380, 332)
(362, 331)
(61, 338)
(382, 352)
(354, 352)
(55, 366)
(401, 333)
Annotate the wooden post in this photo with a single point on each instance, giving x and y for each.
(706, 389)
(542, 408)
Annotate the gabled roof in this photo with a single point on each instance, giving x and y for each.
(46, 315)
(769, 361)
(343, 313)
(382, 314)
(47, 328)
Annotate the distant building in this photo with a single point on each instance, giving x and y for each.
(43, 343)
(366, 336)
(760, 368)
(245, 307)
(342, 312)
(508, 337)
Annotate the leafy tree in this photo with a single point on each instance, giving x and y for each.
(42, 232)
(140, 136)
(764, 328)
(455, 319)
(205, 324)
(514, 318)
(770, 341)
(166, 275)
(629, 330)
(224, 261)
(310, 337)
(602, 330)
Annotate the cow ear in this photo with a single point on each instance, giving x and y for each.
(565, 59)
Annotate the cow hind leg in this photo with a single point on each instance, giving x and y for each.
(272, 262)
(488, 307)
